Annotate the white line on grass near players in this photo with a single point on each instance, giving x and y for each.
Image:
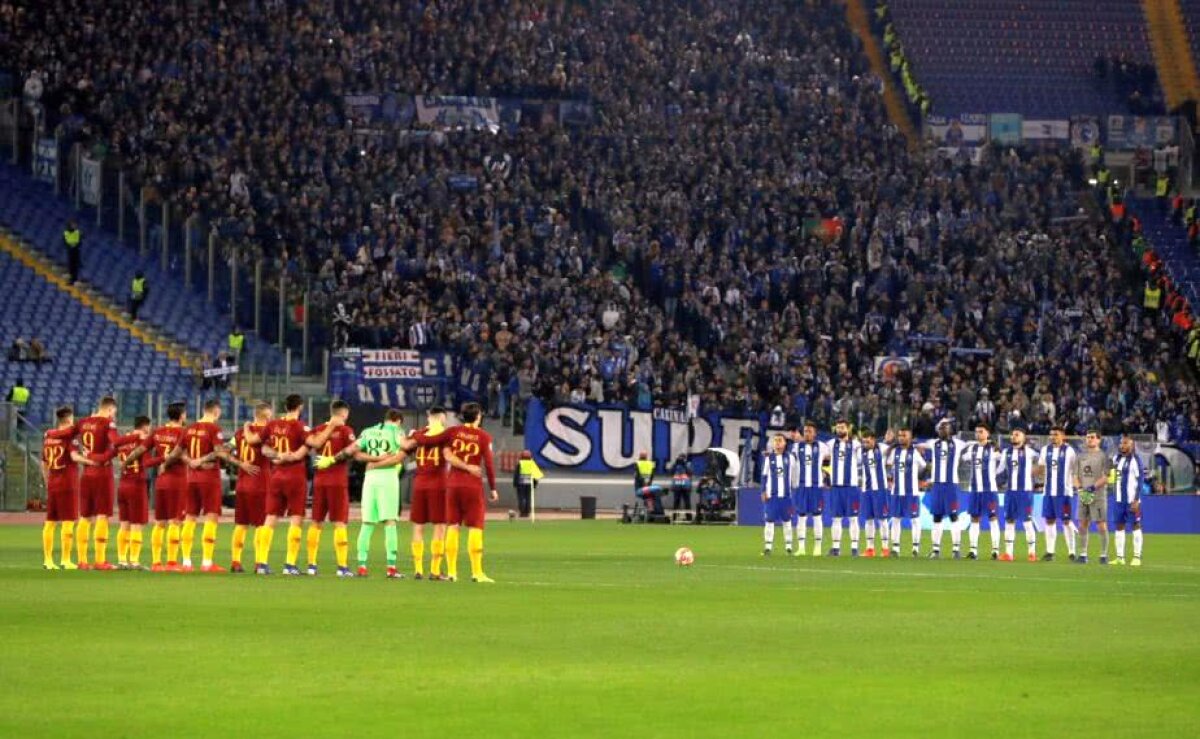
(935, 575)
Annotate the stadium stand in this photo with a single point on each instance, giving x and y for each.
(89, 355)
(1034, 58)
(735, 217)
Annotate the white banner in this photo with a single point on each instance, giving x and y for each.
(221, 371)
(89, 181)
(458, 112)
(1037, 130)
(45, 160)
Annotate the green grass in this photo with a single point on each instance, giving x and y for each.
(593, 631)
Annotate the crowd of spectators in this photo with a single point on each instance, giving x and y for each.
(739, 221)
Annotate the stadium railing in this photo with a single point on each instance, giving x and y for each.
(20, 454)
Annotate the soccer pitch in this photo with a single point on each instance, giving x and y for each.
(592, 630)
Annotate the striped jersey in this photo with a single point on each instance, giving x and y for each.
(1059, 464)
(845, 462)
(874, 469)
(808, 459)
(777, 470)
(1129, 477)
(944, 456)
(985, 465)
(1019, 464)
(906, 466)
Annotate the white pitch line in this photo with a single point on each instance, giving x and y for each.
(933, 575)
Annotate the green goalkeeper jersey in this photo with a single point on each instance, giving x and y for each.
(380, 441)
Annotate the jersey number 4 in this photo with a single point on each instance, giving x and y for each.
(431, 457)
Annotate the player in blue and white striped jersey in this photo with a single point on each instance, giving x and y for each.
(807, 495)
(1018, 462)
(874, 501)
(845, 466)
(945, 453)
(1057, 465)
(905, 464)
(778, 472)
(984, 458)
(1127, 499)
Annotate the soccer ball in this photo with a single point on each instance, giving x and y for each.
(684, 557)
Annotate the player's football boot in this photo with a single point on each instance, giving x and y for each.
(957, 554)
(438, 578)
(1135, 562)
(916, 552)
(1081, 559)
(482, 578)
(1048, 557)
(853, 552)
(212, 568)
(69, 565)
(137, 567)
(450, 578)
(869, 553)
(766, 552)
(158, 567)
(418, 576)
(362, 571)
(103, 567)
(895, 553)
(237, 569)
(84, 566)
(1119, 562)
(291, 570)
(49, 566)
(186, 568)
(800, 552)
(311, 571)
(344, 572)
(1071, 556)
(122, 566)
(262, 569)
(1103, 559)
(835, 552)
(1006, 557)
(972, 555)
(995, 554)
(935, 554)
(394, 574)
(1032, 557)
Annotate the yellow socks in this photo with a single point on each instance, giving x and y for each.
(82, 529)
(101, 540)
(418, 554)
(313, 543)
(262, 543)
(295, 535)
(208, 541)
(341, 545)
(68, 540)
(439, 553)
(238, 545)
(135, 547)
(186, 540)
(156, 543)
(452, 552)
(475, 551)
(48, 543)
(122, 546)
(172, 543)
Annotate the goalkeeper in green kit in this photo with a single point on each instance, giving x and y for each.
(381, 488)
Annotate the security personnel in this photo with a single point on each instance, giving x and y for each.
(525, 479)
(236, 342)
(72, 239)
(643, 475)
(1189, 215)
(1152, 296)
(681, 483)
(1162, 186)
(1096, 153)
(1102, 177)
(19, 394)
(137, 294)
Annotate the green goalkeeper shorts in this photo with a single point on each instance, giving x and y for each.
(381, 498)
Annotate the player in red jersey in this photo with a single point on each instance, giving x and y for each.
(133, 509)
(250, 507)
(333, 441)
(97, 435)
(59, 458)
(167, 445)
(429, 494)
(469, 446)
(204, 447)
(287, 449)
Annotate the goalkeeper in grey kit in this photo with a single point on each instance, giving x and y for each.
(1091, 480)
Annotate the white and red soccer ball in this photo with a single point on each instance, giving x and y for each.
(684, 557)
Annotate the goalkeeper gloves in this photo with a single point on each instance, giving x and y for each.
(324, 463)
